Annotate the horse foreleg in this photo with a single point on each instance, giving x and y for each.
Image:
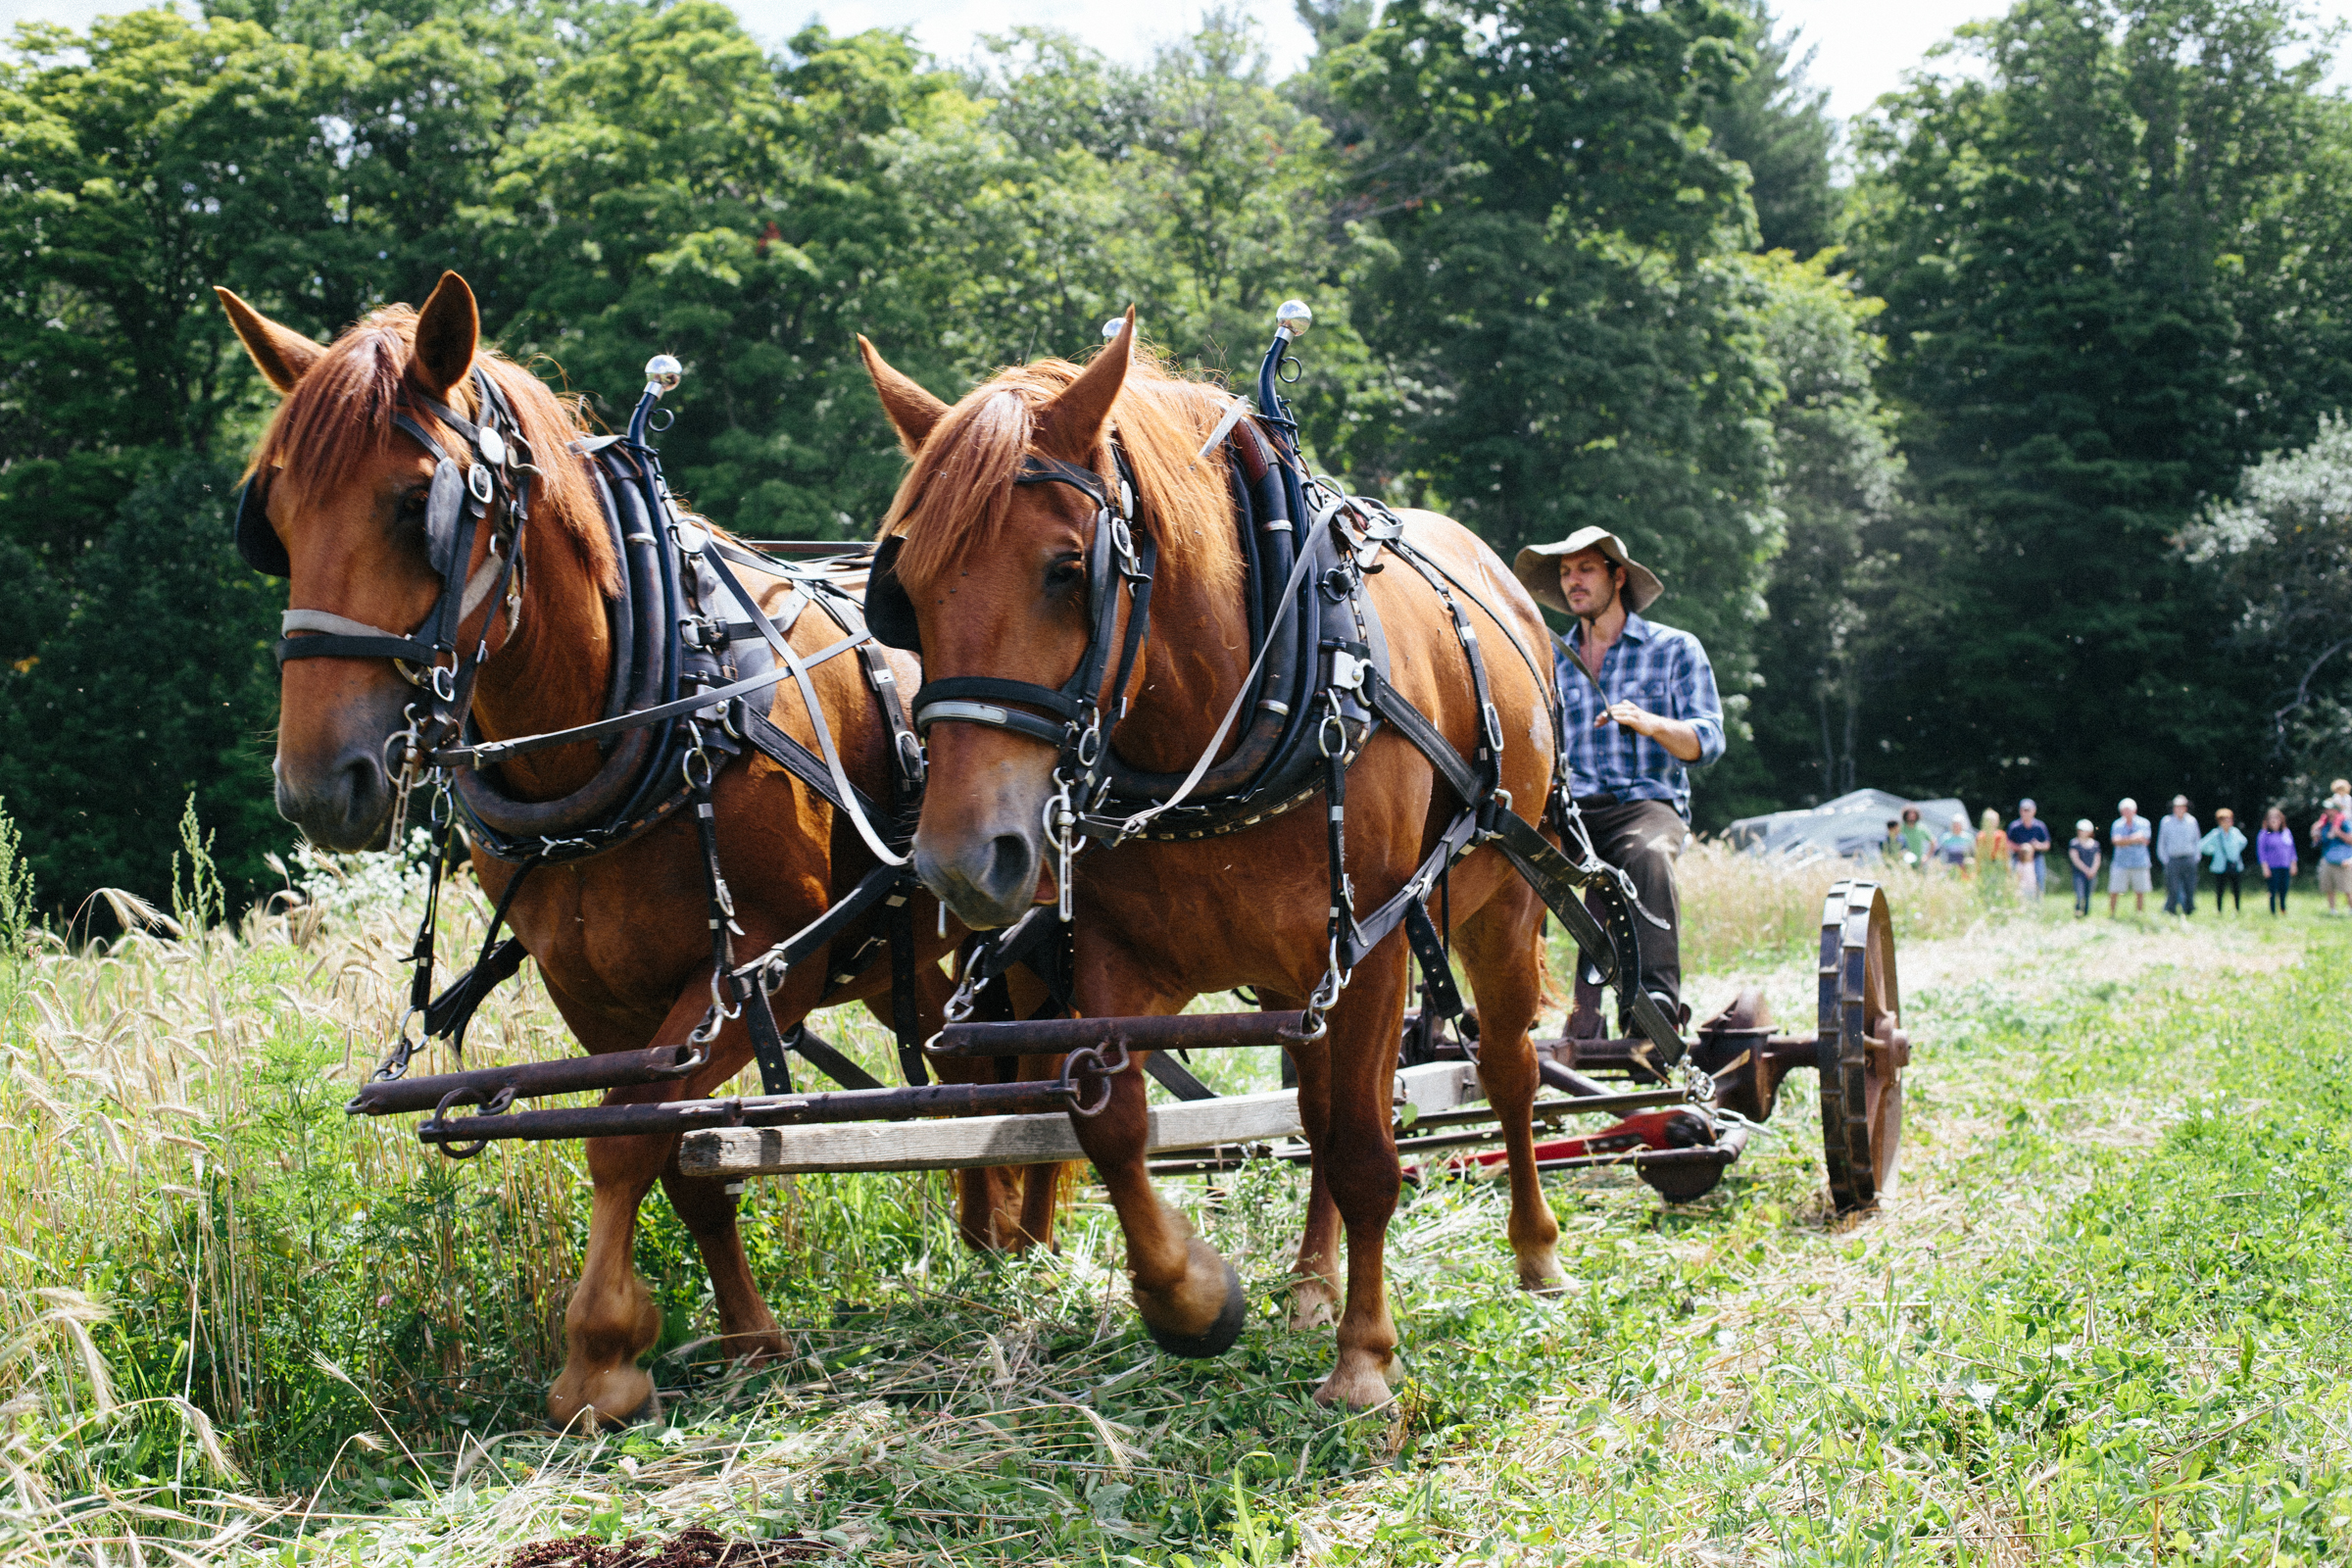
(1190, 1299)
(610, 1319)
(747, 1329)
(1502, 951)
(1357, 1157)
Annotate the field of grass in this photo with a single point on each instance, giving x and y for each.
(2105, 1318)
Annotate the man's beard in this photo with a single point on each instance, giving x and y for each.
(1606, 597)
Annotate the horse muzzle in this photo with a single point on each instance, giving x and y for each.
(344, 806)
(987, 879)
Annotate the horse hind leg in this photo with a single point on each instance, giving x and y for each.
(747, 1330)
(1357, 1157)
(1500, 946)
(1315, 1295)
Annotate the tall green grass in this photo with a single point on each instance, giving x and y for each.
(230, 1313)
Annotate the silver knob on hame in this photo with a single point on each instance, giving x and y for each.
(662, 372)
(1292, 319)
(1110, 328)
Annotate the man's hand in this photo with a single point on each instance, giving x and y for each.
(1680, 738)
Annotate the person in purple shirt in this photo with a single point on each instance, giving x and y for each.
(2274, 853)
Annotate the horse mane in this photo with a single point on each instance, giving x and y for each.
(958, 493)
(340, 413)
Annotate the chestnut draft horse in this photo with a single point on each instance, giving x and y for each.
(996, 568)
(620, 937)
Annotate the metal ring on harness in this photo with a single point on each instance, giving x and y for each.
(495, 1105)
(1089, 1062)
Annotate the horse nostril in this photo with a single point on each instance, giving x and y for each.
(1012, 867)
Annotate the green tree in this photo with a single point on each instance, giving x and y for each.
(1551, 282)
(2111, 267)
(158, 687)
(1778, 124)
(1834, 589)
(2279, 555)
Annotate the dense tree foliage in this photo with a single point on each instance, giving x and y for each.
(1571, 262)
(2114, 268)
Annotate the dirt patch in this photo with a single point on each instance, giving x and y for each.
(688, 1548)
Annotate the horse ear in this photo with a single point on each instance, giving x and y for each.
(448, 330)
(914, 411)
(282, 354)
(1071, 425)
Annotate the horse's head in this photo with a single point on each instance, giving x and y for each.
(997, 573)
(343, 493)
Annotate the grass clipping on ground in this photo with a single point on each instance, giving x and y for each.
(237, 1322)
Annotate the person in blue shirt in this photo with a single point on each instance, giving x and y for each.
(2176, 841)
(1639, 711)
(2332, 836)
(2128, 872)
(2225, 851)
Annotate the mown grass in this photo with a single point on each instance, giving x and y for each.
(240, 1326)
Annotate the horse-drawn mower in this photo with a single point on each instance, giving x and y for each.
(1680, 1110)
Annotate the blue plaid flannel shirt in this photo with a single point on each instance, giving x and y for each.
(1657, 668)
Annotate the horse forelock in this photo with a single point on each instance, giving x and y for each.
(339, 416)
(957, 494)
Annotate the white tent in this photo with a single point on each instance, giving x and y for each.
(1850, 827)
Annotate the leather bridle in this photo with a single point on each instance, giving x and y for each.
(459, 501)
(1075, 728)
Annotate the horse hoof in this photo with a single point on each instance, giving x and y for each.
(1315, 1305)
(1355, 1384)
(1218, 1337)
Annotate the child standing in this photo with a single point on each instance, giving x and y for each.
(2274, 853)
(2082, 855)
(2225, 851)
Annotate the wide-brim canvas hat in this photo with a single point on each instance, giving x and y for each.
(1538, 566)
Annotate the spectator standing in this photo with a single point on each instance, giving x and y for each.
(1992, 847)
(1919, 845)
(2028, 841)
(1890, 848)
(2332, 836)
(2129, 838)
(2274, 852)
(2176, 841)
(2082, 856)
(2225, 851)
(1956, 850)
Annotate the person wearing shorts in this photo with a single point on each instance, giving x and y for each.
(2128, 837)
(2332, 836)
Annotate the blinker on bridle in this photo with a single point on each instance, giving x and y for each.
(1075, 729)
(458, 501)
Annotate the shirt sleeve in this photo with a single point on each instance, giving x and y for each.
(1694, 694)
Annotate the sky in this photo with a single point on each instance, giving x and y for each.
(1862, 47)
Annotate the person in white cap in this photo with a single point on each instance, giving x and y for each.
(1640, 709)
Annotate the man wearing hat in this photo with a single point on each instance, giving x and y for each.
(1641, 710)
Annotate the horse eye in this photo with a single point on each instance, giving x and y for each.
(412, 504)
(1063, 573)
